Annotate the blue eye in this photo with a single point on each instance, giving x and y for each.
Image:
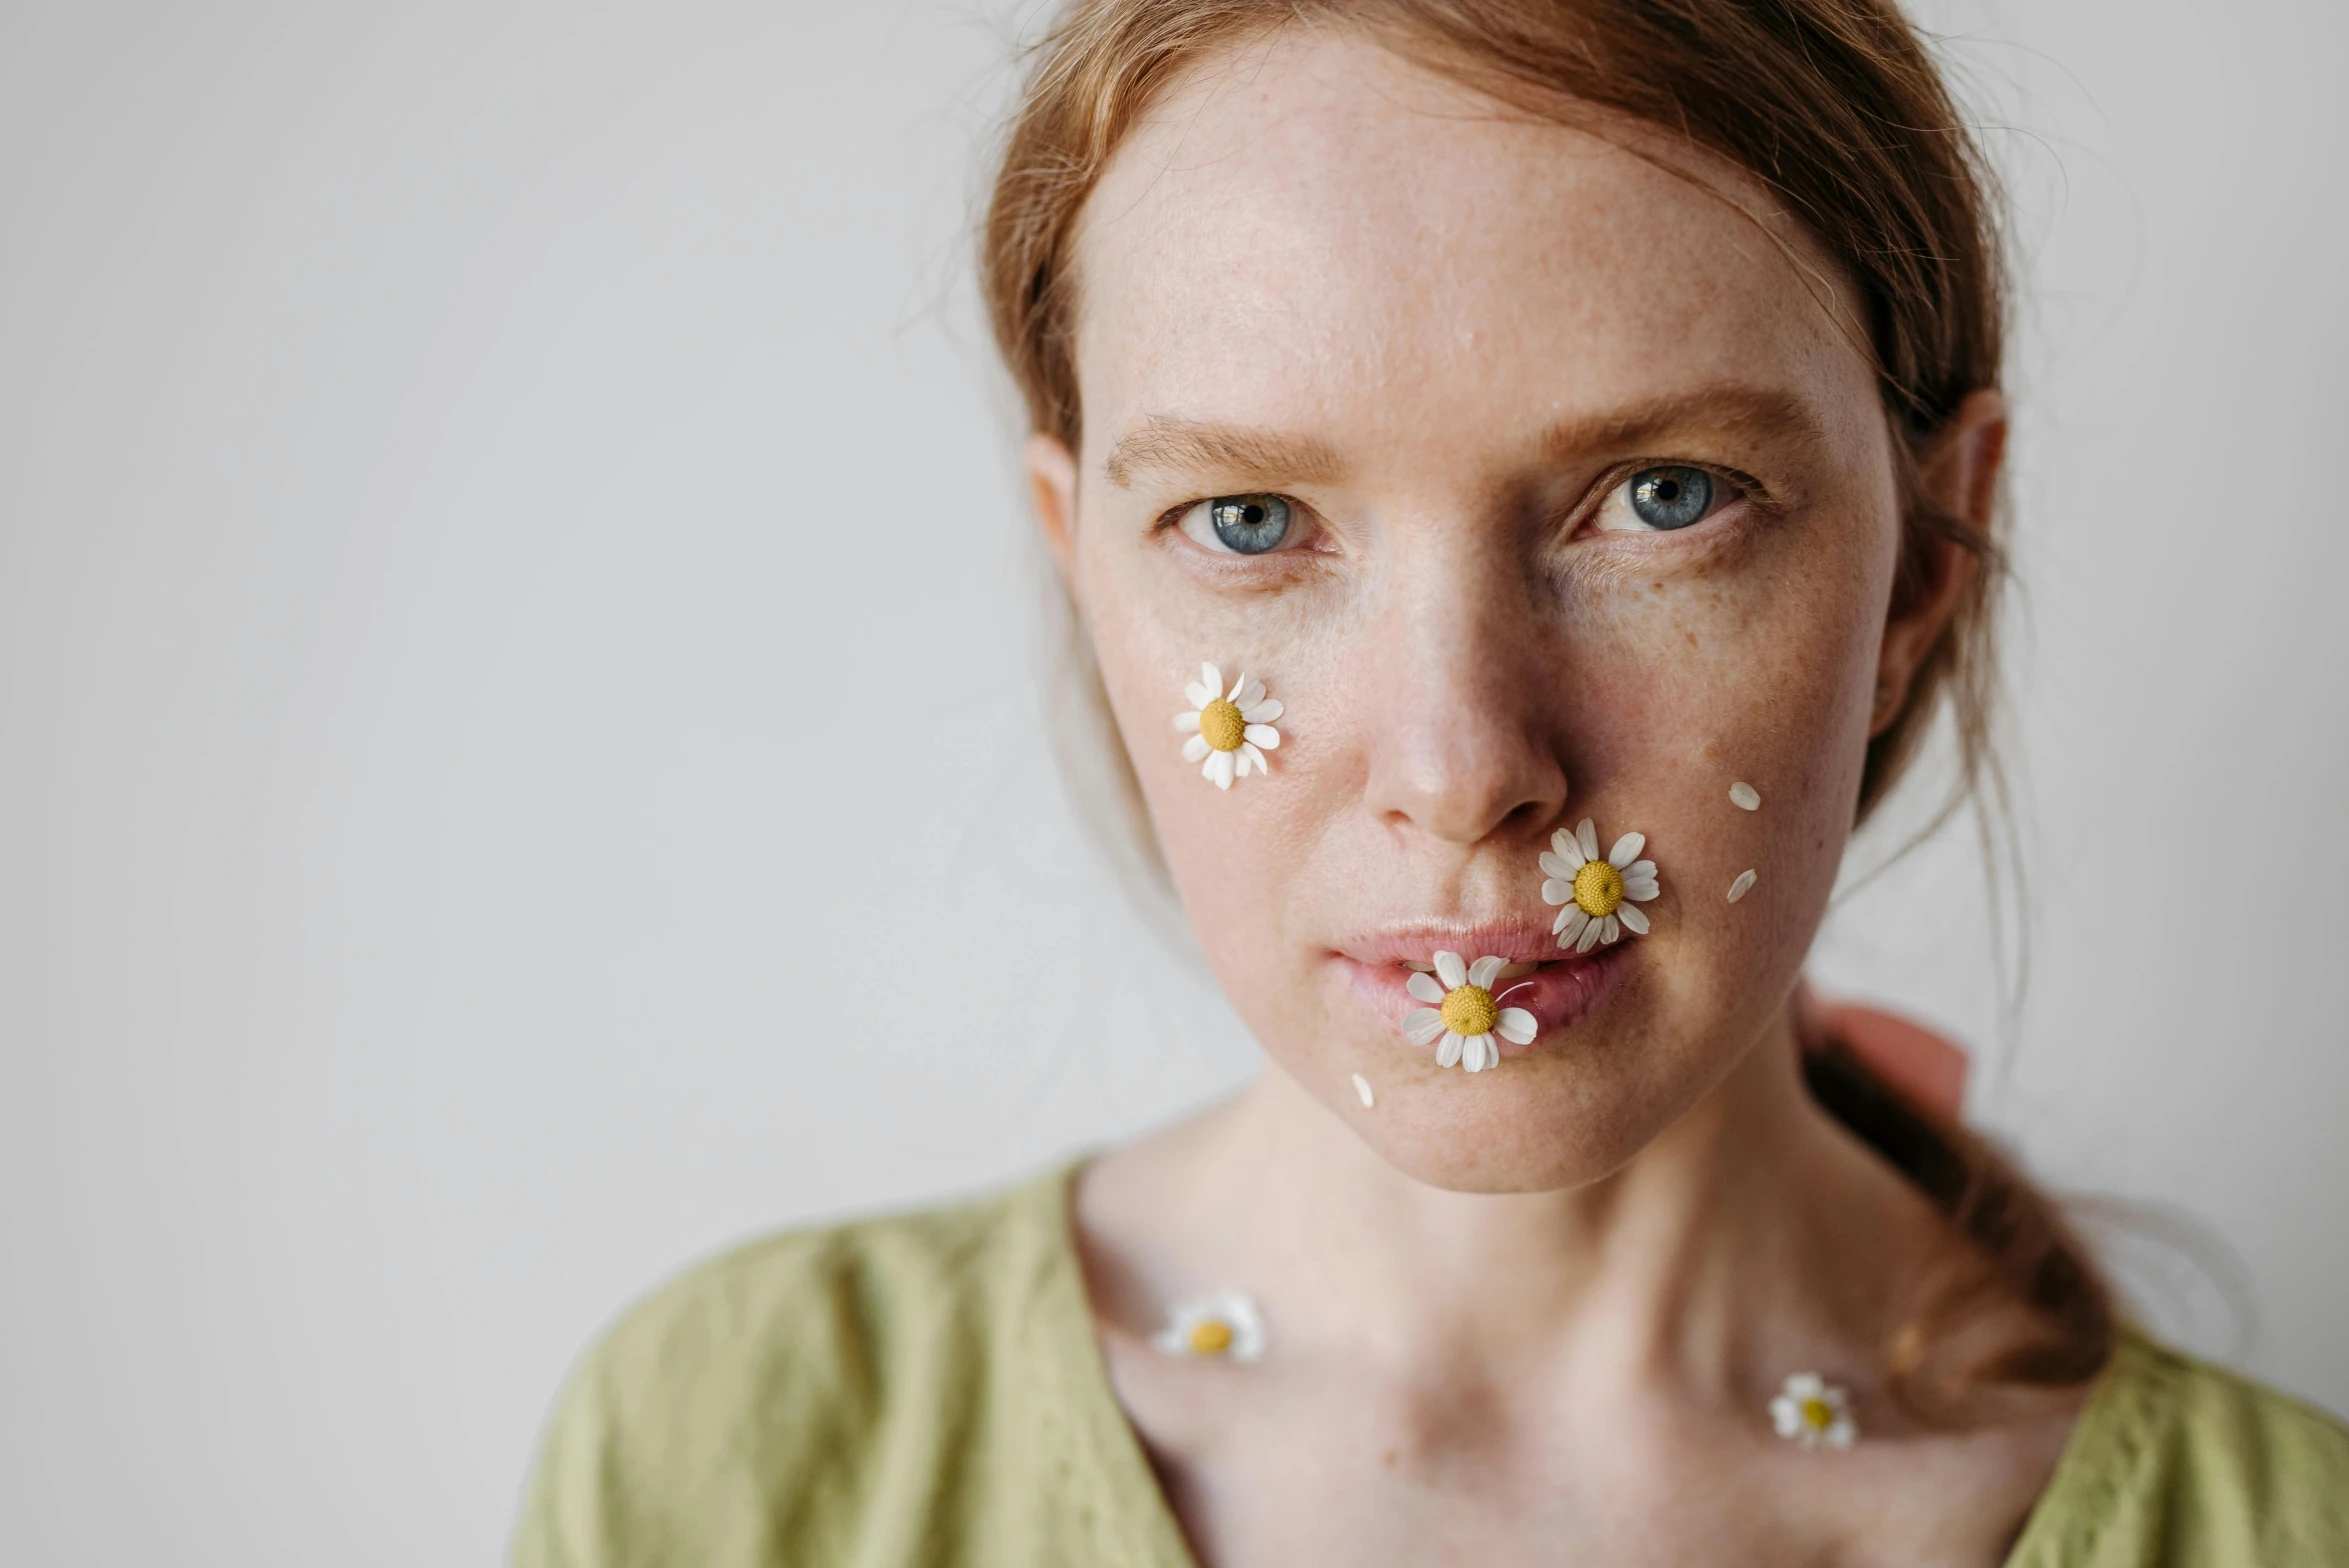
(1671, 497)
(1249, 524)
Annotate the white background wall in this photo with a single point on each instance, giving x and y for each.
(518, 766)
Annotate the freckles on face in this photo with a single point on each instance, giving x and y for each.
(1536, 481)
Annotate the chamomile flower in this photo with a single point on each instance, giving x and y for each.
(1220, 1328)
(1229, 731)
(1811, 1411)
(1600, 892)
(1463, 1011)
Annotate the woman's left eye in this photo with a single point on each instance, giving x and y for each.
(1657, 500)
(1242, 524)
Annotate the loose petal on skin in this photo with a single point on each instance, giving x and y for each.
(1448, 1052)
(1633, 920)
(1517, 1026)
(1362, 1091)
(1743, 885)
(1744, 796)
(1187, 722)
(1569, 854)
(1586, 837)
(1424, 987)
(1484, 972)
(1451, 971)
(1261, 735)
(1423, 1026)
(1626, 848)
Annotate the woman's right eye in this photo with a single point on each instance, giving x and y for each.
(1242, 524)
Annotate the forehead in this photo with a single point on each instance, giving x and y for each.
(1314, 230)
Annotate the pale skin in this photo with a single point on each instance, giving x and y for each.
(1533, 1315)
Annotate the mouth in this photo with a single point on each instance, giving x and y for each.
(1559, 988)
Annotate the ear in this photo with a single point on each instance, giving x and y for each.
(1960, 475)
(1052, 480)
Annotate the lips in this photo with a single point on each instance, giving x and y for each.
(1560, 990)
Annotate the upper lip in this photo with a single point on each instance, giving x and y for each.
(1513, 939)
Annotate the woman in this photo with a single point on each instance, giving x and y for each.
(1543, 458)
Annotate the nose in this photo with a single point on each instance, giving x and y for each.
(1462, 734)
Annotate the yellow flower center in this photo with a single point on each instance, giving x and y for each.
(1471, 1010)
(1211, 1338)
(1598, 888)
(1221, 726)
(1818, 1415)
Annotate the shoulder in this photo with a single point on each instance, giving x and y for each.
(2177, 1461)
(764, 1405)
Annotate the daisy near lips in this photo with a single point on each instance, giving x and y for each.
(1464, 1015)
(1601, 893)
(1229, 732)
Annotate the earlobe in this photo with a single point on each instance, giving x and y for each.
(1052, 482)
(1960, 477)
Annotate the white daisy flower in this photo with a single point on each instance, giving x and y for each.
(1599, 892)
(1220, 1328)
(1462, 1009)
(1229, 731)
(1811, 1411)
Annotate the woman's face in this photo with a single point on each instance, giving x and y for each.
(1589, 513)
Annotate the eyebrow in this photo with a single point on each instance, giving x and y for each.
(1244, 453)
(1237, 450)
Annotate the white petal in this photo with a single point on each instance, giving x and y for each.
(1211, 678)
(1626, 850)
(1640, 890)
(1196, 749)
(1517, 1026)
(1451, 971)
(1805, 1385)
(1589, 938)
(1568, 850)
(1556, 866)
(1638, 868)
(1485, 971)
(1786, 1415)
(1471, 1055)
(1246, 694)
(1186, 723)
(1423, 1025)
(1632, 919)
(1199, 696)
(1362, 1091)
(1742, 886)
(1261, 712)
(1555, 891)
(1613, 932)
(1261, 735)
(1250, 757)
(1449, 1052)
(1220, 768)
(1586, 839)
(1572, 922)
(1744, 796)
(1840, 1434)
(1425, 988)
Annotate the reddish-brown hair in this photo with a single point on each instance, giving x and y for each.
(1839, 110)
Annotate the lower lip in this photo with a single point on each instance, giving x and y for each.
(1559, 995)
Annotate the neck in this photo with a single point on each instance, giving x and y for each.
(1725, 1253)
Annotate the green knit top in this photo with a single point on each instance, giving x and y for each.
(926, 1390)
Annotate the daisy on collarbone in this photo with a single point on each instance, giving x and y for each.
(1229, 732)
(1220, 1328)
(1814, 1413)
(1601, 892)
(1462, 1010)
